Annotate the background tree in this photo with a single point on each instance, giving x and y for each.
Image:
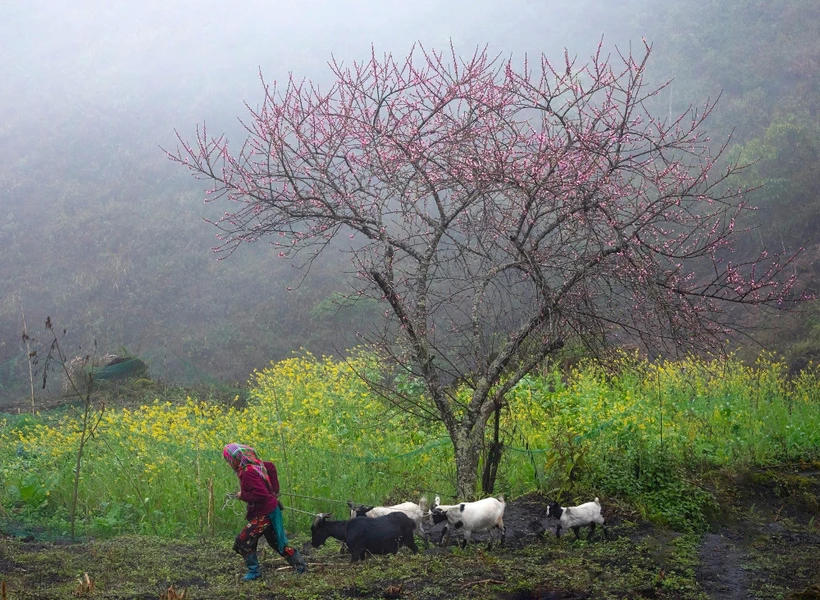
(99, 228)
(500, 211)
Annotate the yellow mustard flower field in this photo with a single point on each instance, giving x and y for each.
(644, 432)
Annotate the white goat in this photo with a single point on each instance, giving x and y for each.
(411, 509)
(470, 517)
(575, 517)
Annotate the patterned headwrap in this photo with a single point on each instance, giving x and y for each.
(244, 457)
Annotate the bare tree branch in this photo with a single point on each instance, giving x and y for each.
(499, 213)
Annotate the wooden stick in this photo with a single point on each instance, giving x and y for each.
(484, 581)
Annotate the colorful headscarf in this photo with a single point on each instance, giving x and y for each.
(242, 458)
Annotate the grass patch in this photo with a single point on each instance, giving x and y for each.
(780, 559)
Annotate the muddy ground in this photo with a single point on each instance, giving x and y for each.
(763, 543)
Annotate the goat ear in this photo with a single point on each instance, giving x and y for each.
(350, 504)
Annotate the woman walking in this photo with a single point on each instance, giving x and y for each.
(259, 488)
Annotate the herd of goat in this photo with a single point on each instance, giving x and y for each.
(384, 529)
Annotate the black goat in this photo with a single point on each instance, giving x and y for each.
(411, 509)
(377, 535)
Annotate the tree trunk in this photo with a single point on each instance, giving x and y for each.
(493, 458)
(467, 445)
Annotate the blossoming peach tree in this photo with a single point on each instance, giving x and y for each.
(499, 211)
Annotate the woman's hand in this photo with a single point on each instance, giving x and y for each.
(228, 497)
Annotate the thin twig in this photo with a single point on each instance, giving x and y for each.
(484, 582)
(29, 354)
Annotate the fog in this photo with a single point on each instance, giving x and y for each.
(104, 234)
(172, 63)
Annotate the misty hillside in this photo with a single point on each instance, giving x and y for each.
(101, 232)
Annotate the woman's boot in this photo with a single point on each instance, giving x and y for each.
(252, 562)
(295, 559)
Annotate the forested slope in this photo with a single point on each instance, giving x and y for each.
(103, 234)
(764, 60)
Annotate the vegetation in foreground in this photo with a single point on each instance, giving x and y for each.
(640, 432)
(662, 444)
(765, 512)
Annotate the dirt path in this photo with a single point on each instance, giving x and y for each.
(764, 544)
(721, 574)
(767, 540)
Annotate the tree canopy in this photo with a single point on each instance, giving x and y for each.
(498, 210)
